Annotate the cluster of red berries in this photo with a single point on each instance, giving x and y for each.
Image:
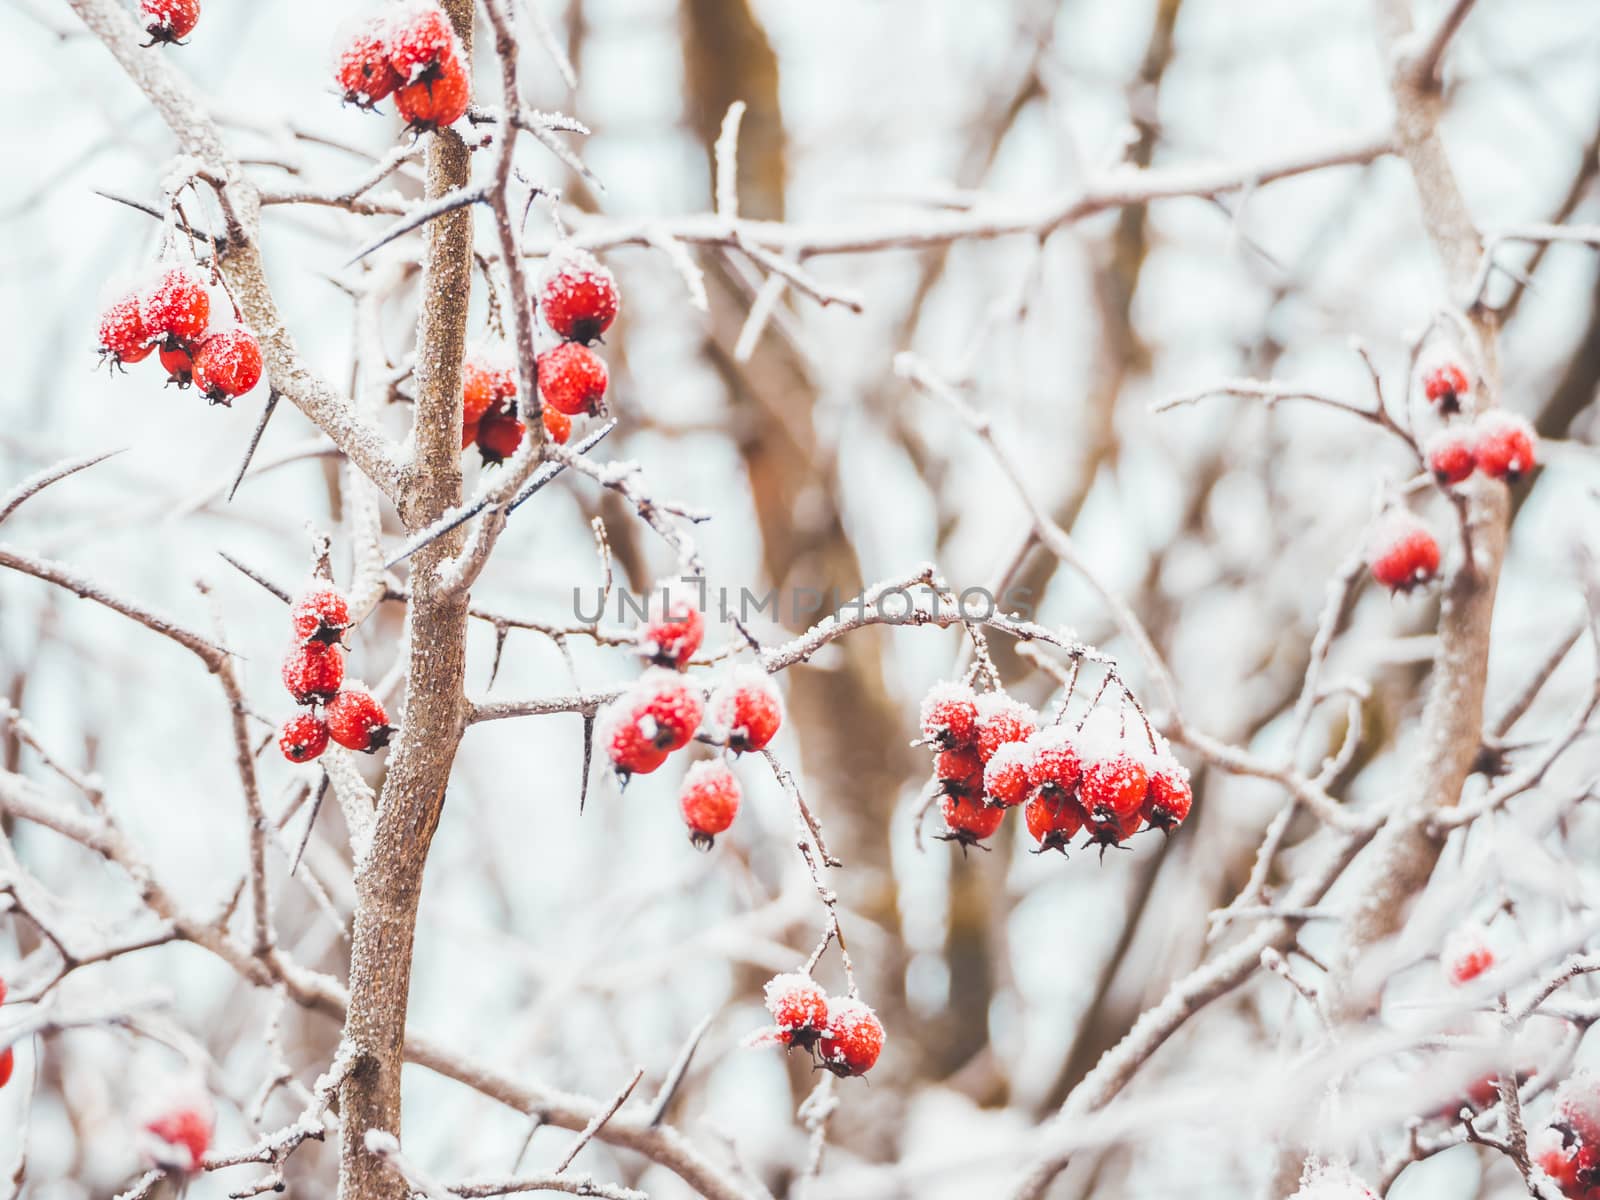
(1110, 776)
(8, 1059)
(172, 316)
(313, 671)
(412, 52)
(1568, 1150)
(489, 407)
(169, 20)
(579, 302)
(1500, 444)
(842, 1034)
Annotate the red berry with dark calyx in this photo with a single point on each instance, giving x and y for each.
(673, 630)
(357, 721)
(950, 716)
(630, 747)
(436, 100)
(124, 336)
(968, 820)
(1403, 553)
(303, 737)
(1053, 821)
(1168, 800)
(227, 364)
(1108, 829)
(573, 380)
(1505, 445)
(1445, 386)
(1006, 779)
(1002, 720)
(1451, 456)
(362, 66)
(178, 365)
(960, 772)
(313, 672)
(853, 1040)
(169, 20)
(177, 307)
(1114, 787)
(709, 801)
(421, 40)
(320, 614)
(499, 435)
(1054, 768)
(747, 709)
(488, 380)
(668, 710)
(579, 298)
(799, 1009)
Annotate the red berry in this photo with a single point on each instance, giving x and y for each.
(437, 99)
(421, 40)
(227, 364)
(579, 300)
(320, 614)
(186, 1131)
(1445, 386)
(178, 365)
(8, 1063)
(960, 772)
(362, 68)
(748, 709)
(799, 1009)
(853, 1039)
(499, 435)
(557, 426)
(1168, 800)
(1402, 553)
(1467, 954)
(313, 671)
(1001, 720)
(668, 709)
(1005, 779)
(968, 819)
(950, 715)
(124, 336)
(1505, 444)
(709, 801)
(303, 737)
(357, 721)
(573, 380)
(1114, 787)
(1562, 1159)
(488, 380)
(630, 747)
(1578, 1107)
(177, 307)
(1054, 768)
(169, 20)
(672, 631)
(1053, 821)
(1451, 457)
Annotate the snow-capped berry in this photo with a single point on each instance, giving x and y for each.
(799, 1009)
(124, 336)
(960, 772)
(1329, 1181)
(178, 365)
(1001, 720)
(671, 632)
(421, 40)
(1578, 1108)
(1564, 1159)
(499, 435)
(709, 801)
(177, 306)
(362, 68)
(1169, 798)
(320, 614)
(1005, 778)
(436, 100)
(1053, 765)
(1053, 820)
(579, 298)
(1466, 954)
(950, 715)
(968, 819)
(667, 709)
(557, 426)
(573, 379)
(488, 380)
(303, 737)
(357, 721)
(1505, 445)
(313, 671)
(227, 364)
(183, 1134)
(1402, 553)
(630, 747)
(1445, 386)
(853, 1039)
(1115, 786)
(169, 20)
(747, 709)
(1451, 457)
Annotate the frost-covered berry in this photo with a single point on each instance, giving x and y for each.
(357, 721)
(967, 819)
(579, 298)
(1402, 552)
(573, 379)
(303, 737)
(671, 632)
(1505, 445)
(1169, 798)
(1467, 954)
(960, 772)
(851, 1043)
(670, 707)
(628, 744)
(709, 801)
(181, 1136)
(169, 20)
(488, 380)
(950, 715)
(313, 672)
(1451, 456)
(799, 1009)
(320, 614)
(1001, 720)
(747, 709)
(1114, 786)
(1006, 777)
(177, 307)
(421, 40)
(178, 365)
(1568, 1162)
(1053, 821)
(1053, 765)
(1445, 386)
(227, 364)
(1107, 829)
(362, 66)
(436, 100)
(499, 435)
(124, 336)
(1329, 1181)
(557, 426)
